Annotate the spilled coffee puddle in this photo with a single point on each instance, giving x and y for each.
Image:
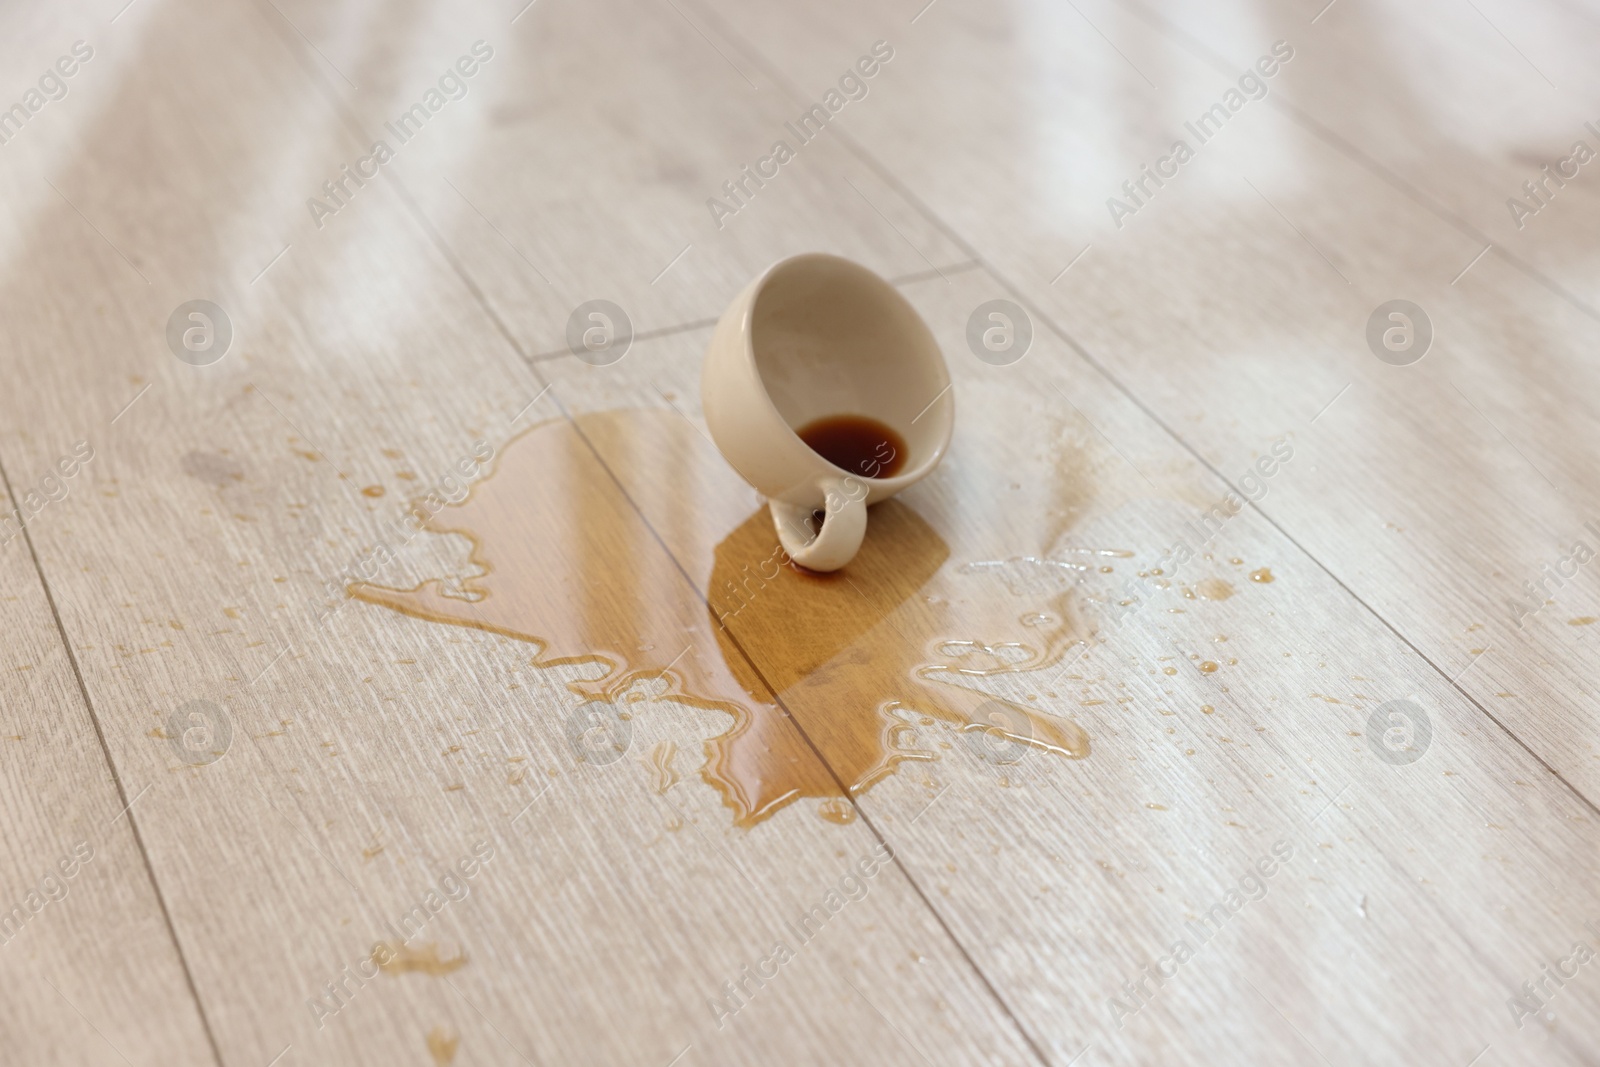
(872, 661)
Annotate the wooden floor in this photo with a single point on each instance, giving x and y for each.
(289, 779)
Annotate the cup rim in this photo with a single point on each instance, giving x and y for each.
(898, 481)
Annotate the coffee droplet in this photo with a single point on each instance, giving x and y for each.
(442, 1044)
(837, 810)
(1262, 574)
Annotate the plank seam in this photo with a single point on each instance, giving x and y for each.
(530, 362)
(1021, 296)
(844, 791)
(116, 777)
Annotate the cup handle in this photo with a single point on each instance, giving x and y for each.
(844, 525)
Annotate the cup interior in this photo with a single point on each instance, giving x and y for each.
(831, 338)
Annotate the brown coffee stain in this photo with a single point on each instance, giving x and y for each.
(873, 662)
(1262, 574)
(837, 810)
(660, 761)
(1582, 620)
(874, 658)
(442, 1044)
(571, 568)
(398, 957)
(1208, 667)
(1214, 588)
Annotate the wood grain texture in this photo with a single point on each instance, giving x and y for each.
(1194, 775)
(88, 966)
(546, 205)
(1223, 727)
(1509, 387)
(89, 969)
(1457, 106)
(1234, 306)
(372, 753)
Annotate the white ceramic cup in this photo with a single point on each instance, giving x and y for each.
(818, 336)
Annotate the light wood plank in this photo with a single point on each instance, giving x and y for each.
(88, 967)
(1193, 775)
(1196, 308)
(1509, 388)
(1457, 104)
(372, 752)
(1238, 313)
(580, 163)
(89, 970)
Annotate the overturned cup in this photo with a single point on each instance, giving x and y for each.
(826, 391)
